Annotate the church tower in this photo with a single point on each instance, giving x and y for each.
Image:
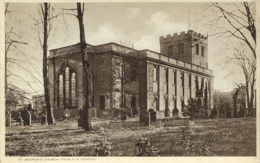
(190, 47)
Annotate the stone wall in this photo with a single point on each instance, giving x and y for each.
(171, 97)
(107, 89)
(73, 60)
(142, 78)
(102, 85)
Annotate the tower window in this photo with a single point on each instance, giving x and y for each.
(181, 48)
(202, 51)
(197, 49)
(170, 50)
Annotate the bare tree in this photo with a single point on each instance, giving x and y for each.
(234, 20)
(14, 43)
(235, 97)
(45, 10)
(79, 12)
(248, 65)
(125, 67)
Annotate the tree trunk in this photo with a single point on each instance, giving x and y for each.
(252, 93)
(122, 87)
(235, 106)
(50, 118)
(247, 94)
(86, 66)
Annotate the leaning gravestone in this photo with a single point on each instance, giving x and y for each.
(44, 120)
(144, 117)
(8, 118)
(152, 115)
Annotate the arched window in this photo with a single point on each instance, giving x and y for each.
(61, 96)
(67, 88)
(73, 89)
(155, 79)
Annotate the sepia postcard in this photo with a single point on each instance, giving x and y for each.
(124, 81)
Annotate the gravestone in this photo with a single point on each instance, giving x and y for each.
(167, 112)
(152, 115)
(135, 112)
(232, 113)
(44, 110)
(44, 120)
(144, 117)
(93, 112)
(123, 115)
(175, 112)
(80, 118)
(217, 113)
(225, 113)
(8, 118)
(66, 114)
(26, 116)
(245, 113)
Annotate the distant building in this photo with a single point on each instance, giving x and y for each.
(125, 77)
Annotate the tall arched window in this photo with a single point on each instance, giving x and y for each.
(67, 88)
(73, 89)
(61, 96)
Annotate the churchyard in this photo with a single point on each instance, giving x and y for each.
(169, 137)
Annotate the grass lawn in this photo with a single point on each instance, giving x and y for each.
(223, 137)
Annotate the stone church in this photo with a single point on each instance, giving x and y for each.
(123, 77)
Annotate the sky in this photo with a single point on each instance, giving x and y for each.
(133, 24)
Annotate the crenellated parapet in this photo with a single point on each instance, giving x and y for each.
(183, 35)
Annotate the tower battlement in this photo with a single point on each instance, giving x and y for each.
(181, 36)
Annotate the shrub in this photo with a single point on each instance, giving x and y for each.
(145, 148)
(195, 111)
(214, 113)
(185, 142)
(101, 149)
